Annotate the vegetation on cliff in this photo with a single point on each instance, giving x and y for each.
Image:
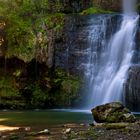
(32, 82)
(31, 29)
(95, 10)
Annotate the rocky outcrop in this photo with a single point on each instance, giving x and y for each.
(69, 6)
(61, 48)
(112, 5)
(59, 41)
(112, 113)
(132, 89)
(82, 37)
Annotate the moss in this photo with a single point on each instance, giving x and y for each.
(17, 73)
(24, 22)
(67, 88)
(6, 84)
(28, 31)
(21, 39)
(95, 10)
(55, 6)
(71, 87)
(55, 21)
(9, 95)
(115, 125)
(38, 97)
(69, 91)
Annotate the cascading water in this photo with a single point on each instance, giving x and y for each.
(115, 60)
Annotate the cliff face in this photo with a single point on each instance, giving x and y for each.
(69, 6)
(44, 49)
(132, 89)
(132, 85)
(29, 35)
(83, 36)
(112, 5)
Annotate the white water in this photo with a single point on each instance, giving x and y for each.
(116, 60)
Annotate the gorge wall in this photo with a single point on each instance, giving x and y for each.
(43, 61)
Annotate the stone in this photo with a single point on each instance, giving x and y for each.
(132, 89)
(43, 132)
(67, 131)
(3, 137)
(27, 128)
(113, 112)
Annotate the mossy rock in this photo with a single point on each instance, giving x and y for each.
(112, 113)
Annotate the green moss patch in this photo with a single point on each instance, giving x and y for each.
(95, 10)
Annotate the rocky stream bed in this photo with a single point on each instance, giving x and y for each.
(123, 125)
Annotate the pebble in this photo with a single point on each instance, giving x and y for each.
(67, 131)
(45, 131)
(27, 128)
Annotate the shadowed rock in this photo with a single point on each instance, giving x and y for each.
(113, 112)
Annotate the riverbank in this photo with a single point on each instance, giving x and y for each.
(76, 132)
(58, 125)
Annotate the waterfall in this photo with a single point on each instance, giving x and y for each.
(115, 60)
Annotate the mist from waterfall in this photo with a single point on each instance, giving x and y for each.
(115, 60)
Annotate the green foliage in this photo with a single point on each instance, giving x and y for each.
(7, 88)
(55, 21)
(68, 88)
(95, 10)
(19, 33)
(26, 21)
(17, 73)
(33, 95)
(9, 95)
(38, 96)
(21, 39)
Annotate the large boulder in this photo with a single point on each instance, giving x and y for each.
(113, 112)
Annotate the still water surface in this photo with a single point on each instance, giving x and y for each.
(43, 119)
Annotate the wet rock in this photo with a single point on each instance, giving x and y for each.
(67, 131)
(44, 132)
(73, 52)
(24, 129)
(132, 89)
(115, 125)
(82, 124)
(3, 137)
(27, 128)
(112, 113)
